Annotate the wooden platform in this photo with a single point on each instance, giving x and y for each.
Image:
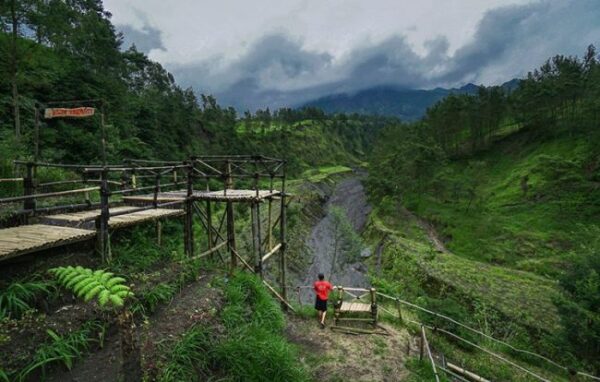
(82, 219)
(355, 307)
(17, 241)
(218, 196)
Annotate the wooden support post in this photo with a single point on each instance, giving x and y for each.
(36, 137)
(282, 240)
(158, 232)
(209, 226)
(102, 220)
(103, 132)
(338, 305)
(189, 213)
(156, 191)
(259, 254)
(400, 319)
(269, 212)
(29, 187)
(374, 306)
(422, 343)
(230, 221)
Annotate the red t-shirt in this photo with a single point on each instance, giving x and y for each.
(322, 289)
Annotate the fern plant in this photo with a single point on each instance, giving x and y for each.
(108, 289)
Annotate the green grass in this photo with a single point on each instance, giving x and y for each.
(250, 348)
(503, 225)
(321, 173)
(63, 350)
(19, 297)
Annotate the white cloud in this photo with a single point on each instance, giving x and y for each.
(272, 53)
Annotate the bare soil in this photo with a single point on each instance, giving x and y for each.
(197, 302)
(334, 356)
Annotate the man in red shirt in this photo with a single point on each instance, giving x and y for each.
(322, 289)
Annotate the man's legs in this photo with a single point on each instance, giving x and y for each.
(323, 314)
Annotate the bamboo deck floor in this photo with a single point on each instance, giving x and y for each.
(17, 241)
(355, 307)
(82, 219)
(229, 195)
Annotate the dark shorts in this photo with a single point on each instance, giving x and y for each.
(321, 305)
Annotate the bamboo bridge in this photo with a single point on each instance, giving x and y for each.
(112, 197)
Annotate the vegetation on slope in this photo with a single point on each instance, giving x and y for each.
(510, 182)
(249, 347)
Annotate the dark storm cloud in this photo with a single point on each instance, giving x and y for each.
(277, 70)
(145, 40)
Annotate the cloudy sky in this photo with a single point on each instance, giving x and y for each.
(276, 53)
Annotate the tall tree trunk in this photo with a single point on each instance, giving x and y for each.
(15, 68)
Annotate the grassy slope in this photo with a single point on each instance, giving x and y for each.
(531, 232)
(506, 248)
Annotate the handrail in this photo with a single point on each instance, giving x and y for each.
(539, 356)
(47, 195)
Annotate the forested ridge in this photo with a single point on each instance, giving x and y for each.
(511, 179)
(68, 51)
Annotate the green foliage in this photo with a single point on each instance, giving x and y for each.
(252, 348)
(580, 307)
(18, 297)
(157, 295)
(188, 360)
(108, 289)
(63, 350)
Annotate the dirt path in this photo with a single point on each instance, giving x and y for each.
(429, 229)
(196, 302)
(349, 195)
(334, 356)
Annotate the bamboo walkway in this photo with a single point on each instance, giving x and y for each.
(17, 241)
(86, 219)
(229, 195)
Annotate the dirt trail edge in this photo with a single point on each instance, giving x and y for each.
(195, 303)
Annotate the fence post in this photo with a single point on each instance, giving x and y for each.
(29, 187)
(102, 220)
(231, 246)
(374, 306)
(188, 228)
(421, 344)
(401, 320)
(282, 249)
(259, 253)
(155, 204)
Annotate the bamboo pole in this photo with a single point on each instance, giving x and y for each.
(464, 372)
(259, 262)
(230, 221)
(189, 215)
(209, 225)
(271, 252)
(282, 240)
(102, 220)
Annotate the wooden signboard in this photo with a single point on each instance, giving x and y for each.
(78, 112)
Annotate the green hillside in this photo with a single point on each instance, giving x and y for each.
(509, 184)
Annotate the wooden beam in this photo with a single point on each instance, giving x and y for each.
(210, 251)
(287, 304)
(465, 373)
(271, 252)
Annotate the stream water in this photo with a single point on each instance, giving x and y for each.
(349, 196)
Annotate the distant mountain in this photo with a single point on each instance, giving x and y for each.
(406, 104)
